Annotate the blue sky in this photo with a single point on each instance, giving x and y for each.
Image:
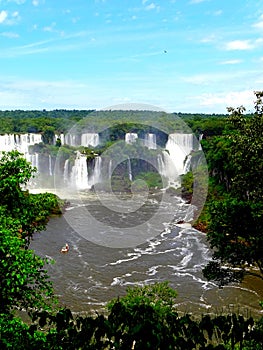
(178, 55)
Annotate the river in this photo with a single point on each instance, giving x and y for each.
(95, 269)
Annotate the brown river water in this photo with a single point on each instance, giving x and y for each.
(102, 262)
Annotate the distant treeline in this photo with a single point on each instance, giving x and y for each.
(62, 120)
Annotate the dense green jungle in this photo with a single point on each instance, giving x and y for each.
(145, 318)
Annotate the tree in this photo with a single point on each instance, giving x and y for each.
(24, 282)
(29, 211)
(236, 217)
(48, 135)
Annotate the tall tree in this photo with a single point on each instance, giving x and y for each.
(24, 282)
(236, 219)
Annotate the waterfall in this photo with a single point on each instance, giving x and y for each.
(129, 169)
(187, 165)
(71, 140)
(66, 171)
(96, 176)
(50, 165)
(150, 141)
(90, 139)
(161, 165)
(200, 138)
(110, 169)
(179, 147)
(79, 174)
(21, 142)
(7, 142)
(33, 159)
(131, 137)
(171, 163)
(167, 168)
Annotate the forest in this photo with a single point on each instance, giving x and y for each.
(145, 318)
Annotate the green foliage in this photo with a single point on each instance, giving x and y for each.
(29, 211)
(187, 186)
(24, 282)
(143, 319)
(233, 232)
(152, 179)
(235, 207)
(20, 121)
(15, 171)
(159, 295)
(48, 135)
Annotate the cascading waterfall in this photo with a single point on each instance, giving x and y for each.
(161, 165)
(9, 142)
(33, 159)
(79, 173)
(179, 147)
(71, 140)
(110, 169)
(173, 161)
(50, 165)
(90, 139)
(200, 138)
(167, 168)
(96, 176)
(130, 137)
(129, 169)
(187, 165)
(66, 175)
(150, 141)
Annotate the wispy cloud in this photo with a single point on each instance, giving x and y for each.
(217, 13)
(237, 61)
(259, 23)
(152, 6)
(61, 44)
(228, 99)
(50, 28)
(18, 2)
(205, 78)
(9, 35)
(208, 39)
(197, 1)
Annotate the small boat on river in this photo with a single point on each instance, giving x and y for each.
(65, 249)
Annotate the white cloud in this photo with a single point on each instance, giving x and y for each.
(258, 25)
(3, 16)
(239, 45)
(231, 62)
(228, 99)
(152, 6)
(35, 2)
